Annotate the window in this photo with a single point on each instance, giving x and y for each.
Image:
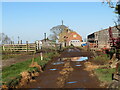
(74, 36)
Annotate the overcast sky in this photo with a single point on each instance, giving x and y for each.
(30, 20)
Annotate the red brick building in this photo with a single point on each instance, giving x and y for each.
(74, 38)
(68, 37)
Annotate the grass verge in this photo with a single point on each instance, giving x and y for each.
(13, 72)
(105, 75)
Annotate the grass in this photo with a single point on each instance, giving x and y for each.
(105, 75)
(12, 72)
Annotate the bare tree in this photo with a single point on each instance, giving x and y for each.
(116, 6)
(56, 31)
(4, 39)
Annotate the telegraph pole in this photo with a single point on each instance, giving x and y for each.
(62, 22)
(45, 36)
(18, 39)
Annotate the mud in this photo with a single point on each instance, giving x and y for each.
(71, 73)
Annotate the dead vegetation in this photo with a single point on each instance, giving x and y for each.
(89, 66)
(35, 64)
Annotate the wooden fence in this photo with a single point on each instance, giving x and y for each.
(31, 47)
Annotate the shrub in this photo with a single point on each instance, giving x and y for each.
(119, 69)
(101, 59)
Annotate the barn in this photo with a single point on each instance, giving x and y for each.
(68, 37)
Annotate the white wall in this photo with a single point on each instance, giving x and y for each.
(75, 42)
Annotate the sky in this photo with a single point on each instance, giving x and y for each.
(30, 20)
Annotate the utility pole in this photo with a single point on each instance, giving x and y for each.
(18, 39)
(62, 22)
(45, 36)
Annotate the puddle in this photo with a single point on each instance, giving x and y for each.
(84, 80)
(52, 69)
(80, 89)
(57, 63)
(79, 58)
(82, 58)
(70, 50)
(39, 87)
(73, 50)
(72, 82)
(34, 89)
(77, 65)
(77, 50)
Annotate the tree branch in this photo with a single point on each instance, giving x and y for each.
(116, 26)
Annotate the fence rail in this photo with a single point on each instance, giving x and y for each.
(31, 47)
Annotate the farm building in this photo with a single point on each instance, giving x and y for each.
(101, 39)
(68, 37)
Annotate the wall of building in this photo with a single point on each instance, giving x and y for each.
(69, 37)
(101, 39)
(74, 38)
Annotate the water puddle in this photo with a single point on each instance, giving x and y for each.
(79, 58)
(77, 65)
(83, 58)
(80, 89)
(52, 69)
(84, 80)
(70, 50)
(72, 82)
(39, 87)
(73, 50)
(34, 89)
(57, 63)
(77, 50)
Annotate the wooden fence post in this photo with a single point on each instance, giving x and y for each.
(21, 41)
(38, 45)
(27, 46)
(41, 56)
(3, 48)
(11, 42)
(35, 47)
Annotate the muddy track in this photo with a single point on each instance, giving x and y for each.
(64, 72)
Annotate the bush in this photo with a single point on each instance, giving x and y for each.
(119, 69)
(101, 59)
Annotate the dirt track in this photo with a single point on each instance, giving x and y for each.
(18, 59)
(67, 72)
